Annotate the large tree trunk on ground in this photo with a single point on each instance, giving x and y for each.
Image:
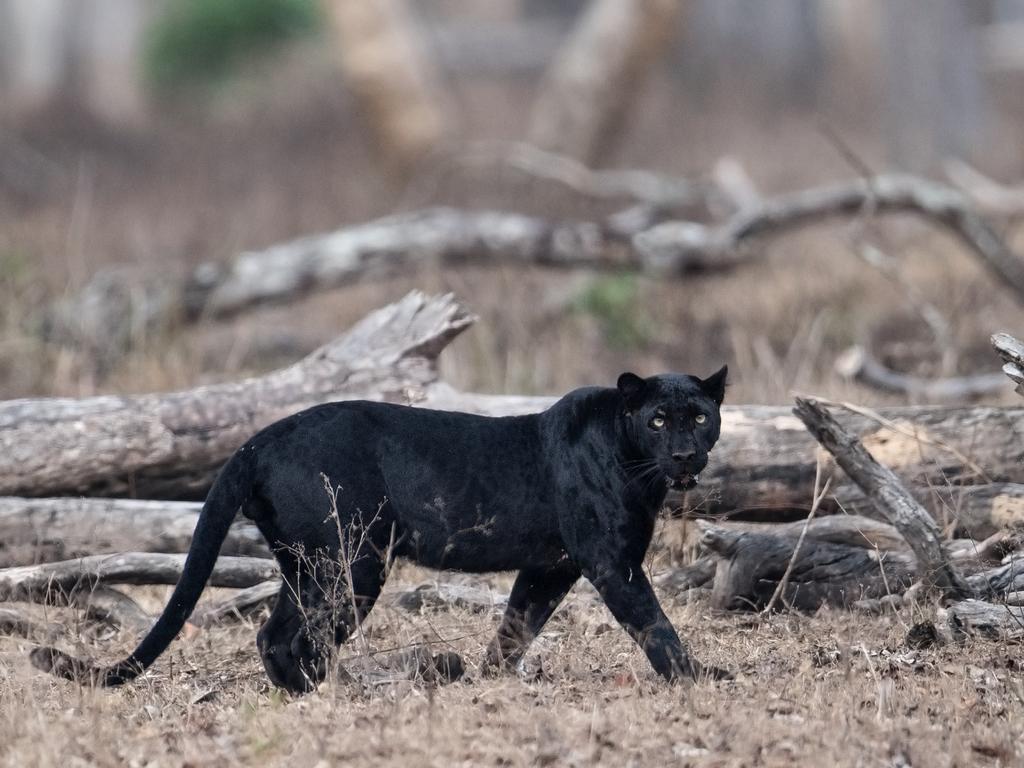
(763, 465)
(590, 87)
(169, 444)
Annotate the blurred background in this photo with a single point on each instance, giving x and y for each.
(141, 139)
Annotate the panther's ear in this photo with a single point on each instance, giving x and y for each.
(632, 387)
(714, 385)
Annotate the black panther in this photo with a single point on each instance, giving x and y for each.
(573, 491)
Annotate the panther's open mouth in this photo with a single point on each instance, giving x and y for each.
(682, 482)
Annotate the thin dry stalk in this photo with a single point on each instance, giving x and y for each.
(819, 493)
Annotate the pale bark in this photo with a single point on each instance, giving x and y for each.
(171, 443)
(44, 530)
(59, 583)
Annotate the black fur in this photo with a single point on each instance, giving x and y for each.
(572, 491)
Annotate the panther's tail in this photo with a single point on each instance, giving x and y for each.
(231, 489)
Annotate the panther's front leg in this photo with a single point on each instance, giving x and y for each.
(631, 599)
(535, 596)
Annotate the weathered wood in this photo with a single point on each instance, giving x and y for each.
(154, 444)
(858, 364)
(977, 617)
(889, 495)
(1012, 352)
(751, 566)
(243, 603)
(590, 86)
(43, 530)
(763, 465)
(996, 583)
(59, 583)
(110, 606)
(675, 246)
(104, 316)
(848, 530)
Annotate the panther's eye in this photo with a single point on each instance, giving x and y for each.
(657, 422)
(700, 418)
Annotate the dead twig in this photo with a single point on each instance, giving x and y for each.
(819, 494)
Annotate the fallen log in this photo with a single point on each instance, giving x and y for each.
(751, 565)
(170, 444)
(890, 497)
(61, 583)
(44, 530)
(763, 465)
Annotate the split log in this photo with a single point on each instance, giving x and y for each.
(857, 364)
(167, 444)
(589, 88)
(969, 617)
(61, 583)
(751, 565)
(1012, 352)
(43, 530)
(890, 497)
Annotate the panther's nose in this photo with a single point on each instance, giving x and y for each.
(684, 455)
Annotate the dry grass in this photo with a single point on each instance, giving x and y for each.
(832, 689)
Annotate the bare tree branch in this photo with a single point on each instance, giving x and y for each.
(858, 364)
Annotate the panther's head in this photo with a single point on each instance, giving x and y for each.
(672, 422)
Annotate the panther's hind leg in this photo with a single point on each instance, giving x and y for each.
(274, 641)
(535, 596)
(331, 609)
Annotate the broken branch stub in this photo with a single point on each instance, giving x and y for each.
(1011, 350)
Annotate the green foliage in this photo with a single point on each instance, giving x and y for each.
(613, 300)
(202, 41)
